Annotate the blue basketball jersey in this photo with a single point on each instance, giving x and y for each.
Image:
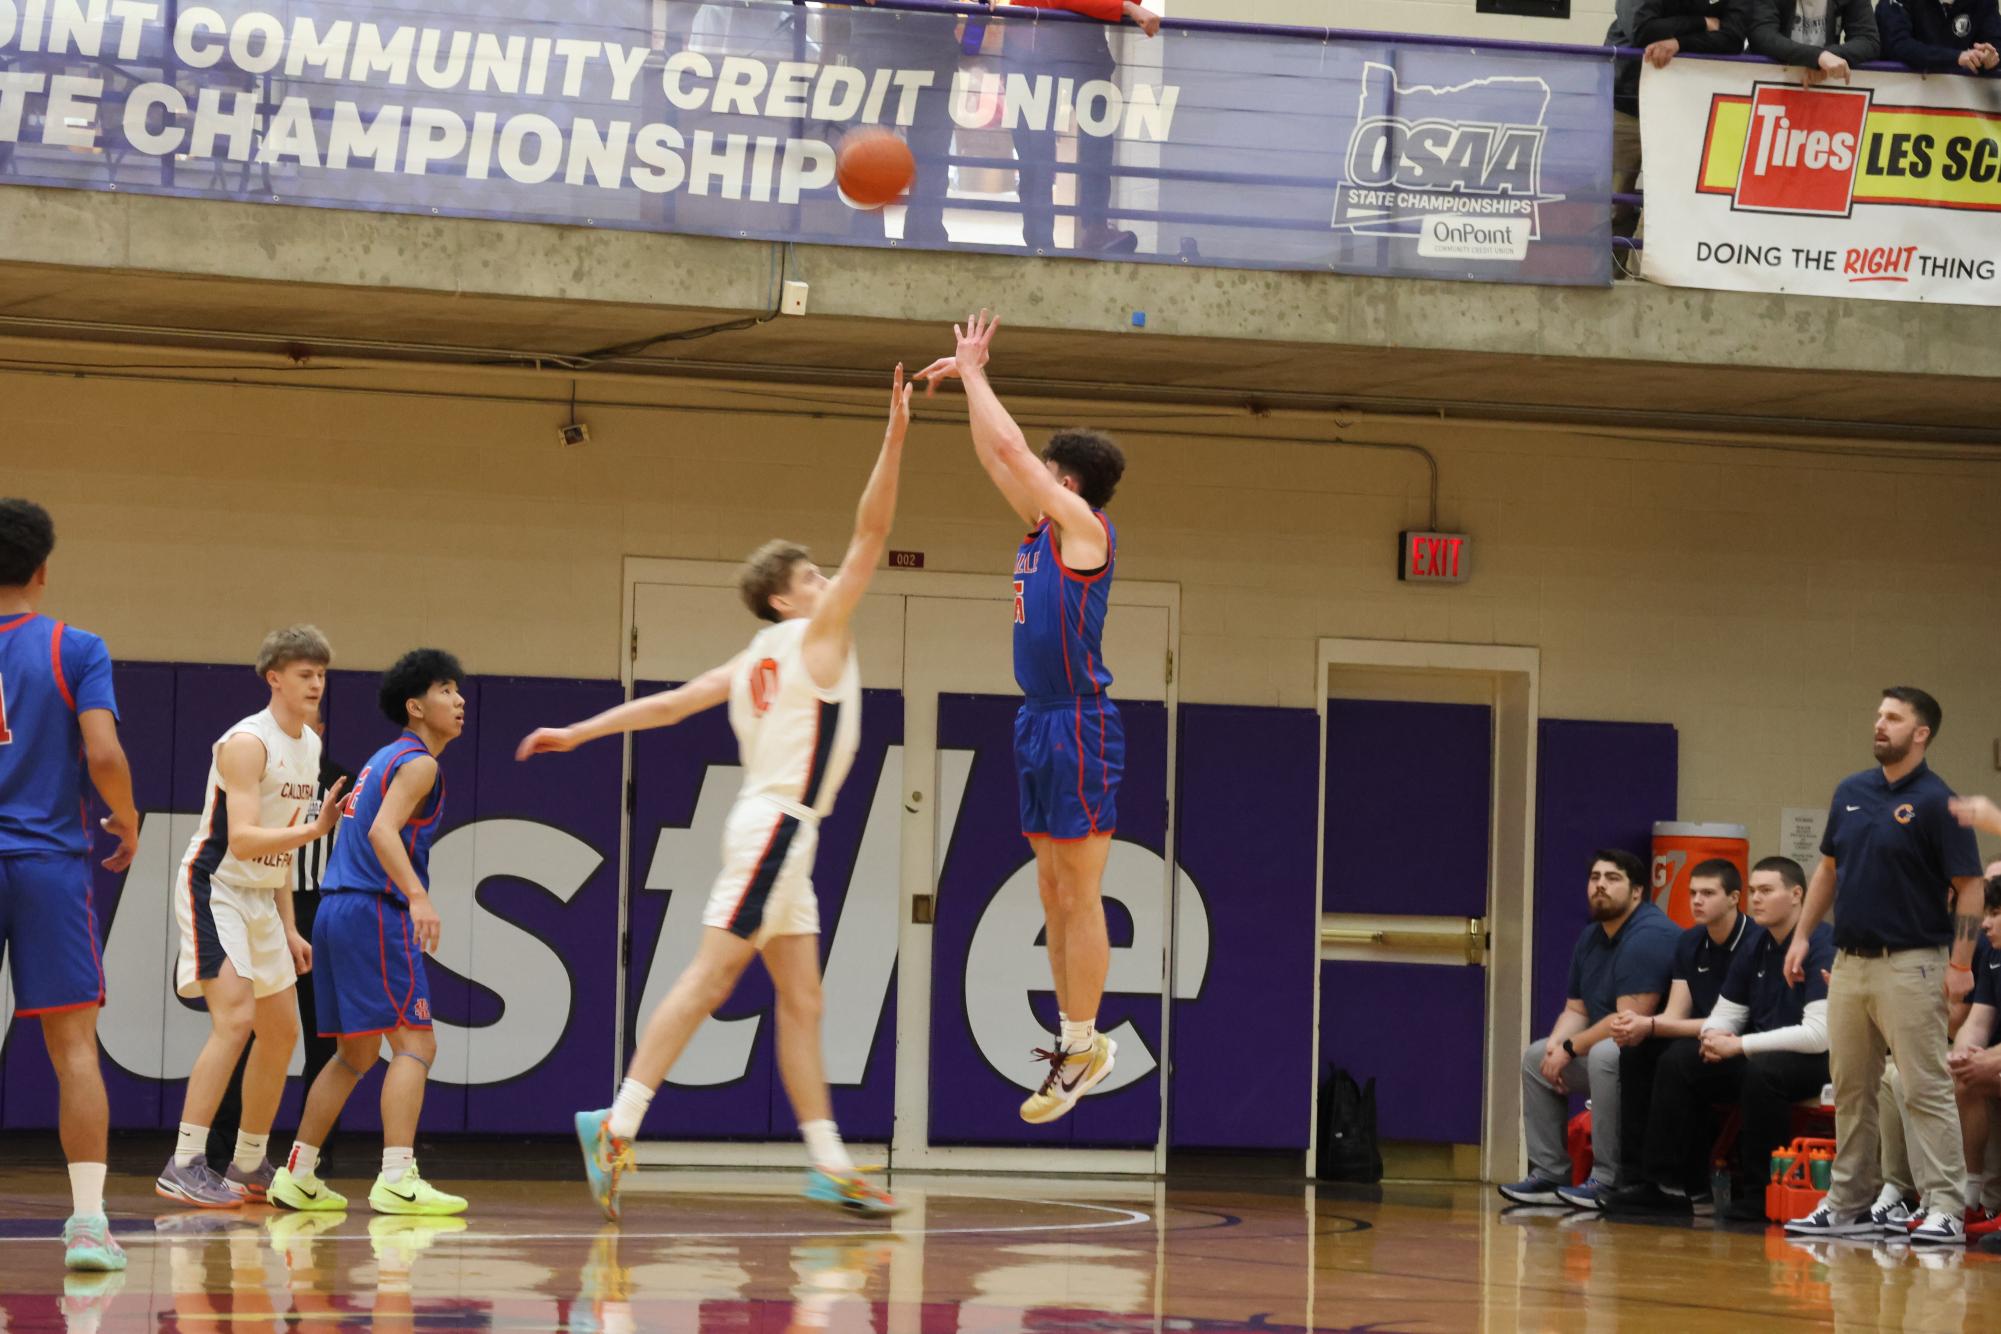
(354, 867)
(49, 675)
(1059, 618)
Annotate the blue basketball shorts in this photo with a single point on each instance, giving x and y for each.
(368, 970)
(49, 932)
(1069, 754)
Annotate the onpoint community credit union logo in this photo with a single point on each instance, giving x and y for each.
(1456, 169)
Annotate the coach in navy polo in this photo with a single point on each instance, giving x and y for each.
(1895, 867)
(1622, 963)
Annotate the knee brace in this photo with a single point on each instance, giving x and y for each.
(341, 1061)
(415, 1057)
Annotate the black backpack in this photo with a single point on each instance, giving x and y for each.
(1347, 1148)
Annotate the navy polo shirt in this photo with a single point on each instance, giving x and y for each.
(1702, 964)
(1896, 850)
(1757, 979)
(1637, 961)
(1987, 982)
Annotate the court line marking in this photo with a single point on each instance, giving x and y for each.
(1123, 1218)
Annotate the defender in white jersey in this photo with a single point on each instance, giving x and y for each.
(795, 704)
(241, 950)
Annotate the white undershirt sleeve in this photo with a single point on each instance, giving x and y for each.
(1809, 1035)
(1727, 1017)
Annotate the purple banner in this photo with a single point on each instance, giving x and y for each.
(1033, 132)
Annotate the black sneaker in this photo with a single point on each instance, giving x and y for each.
(1648, 1201)
(1746, 1209)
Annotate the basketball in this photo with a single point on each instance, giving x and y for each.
(874, 167)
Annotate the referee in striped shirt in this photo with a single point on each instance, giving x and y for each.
(307, 864)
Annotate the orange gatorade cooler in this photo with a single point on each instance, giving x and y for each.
(1680, 847)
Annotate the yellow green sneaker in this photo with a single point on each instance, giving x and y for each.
(411, 1194)
(1071, 1075)
(303, 1191)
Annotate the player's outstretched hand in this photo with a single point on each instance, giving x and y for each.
(1977, 813)
(329, 816)
(975, 341)
(546, 741)
(127, 834)
(899, 405)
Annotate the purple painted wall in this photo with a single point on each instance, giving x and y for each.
(1597, 785)
(1409, 791)
(1245, 824)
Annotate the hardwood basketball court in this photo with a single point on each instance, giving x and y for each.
(739, 1251)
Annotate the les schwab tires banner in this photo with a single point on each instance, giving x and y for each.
(1887, 187)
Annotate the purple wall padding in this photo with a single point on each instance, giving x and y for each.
(1598, 785)
(1246, 829)
(1418, 1030)
(1409, 787)
(577, 793)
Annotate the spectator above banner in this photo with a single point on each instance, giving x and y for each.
(1034, 131)
(1888, 186)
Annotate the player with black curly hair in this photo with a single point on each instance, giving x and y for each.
(374, 926)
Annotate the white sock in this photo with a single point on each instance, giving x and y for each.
(1888, 1196)
(250, 1150)
(86, 1188)
(304, 1159)
(1077, 1034)
(1061, 1019)
(629, 1109)
(395, 1162)
(824, 1148)
(192, 1144)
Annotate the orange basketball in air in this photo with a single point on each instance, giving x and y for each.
(874, 167)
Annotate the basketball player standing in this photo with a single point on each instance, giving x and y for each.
(1069, 744)
(241, 950)
(57, 717)
(795, 705)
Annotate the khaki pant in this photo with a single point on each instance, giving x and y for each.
(1874, 1005)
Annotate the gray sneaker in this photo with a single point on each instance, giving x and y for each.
(196, 1183)
(253, 1183)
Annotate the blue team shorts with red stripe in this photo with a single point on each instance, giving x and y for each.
(368, 970)
(1069, 754)
(49, 933)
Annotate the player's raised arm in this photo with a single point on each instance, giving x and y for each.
(661, 710)
(828, 634)
(1022, 477)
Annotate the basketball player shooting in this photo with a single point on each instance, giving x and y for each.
(794, 697)
(1069, 744)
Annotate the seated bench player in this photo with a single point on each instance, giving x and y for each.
(1763, 1047)
(1701, 962)
(1975, 1062)
(1621, 964)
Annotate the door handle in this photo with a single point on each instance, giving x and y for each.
(1465, 937)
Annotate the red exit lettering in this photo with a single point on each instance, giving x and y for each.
(1434, 557)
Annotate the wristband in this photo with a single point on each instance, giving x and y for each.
(1569, 1050)
(1959, 967)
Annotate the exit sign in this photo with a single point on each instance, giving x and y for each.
(1434, 558)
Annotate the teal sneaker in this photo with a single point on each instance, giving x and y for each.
(851, 1193)
(607, 1158)
(88, 1244)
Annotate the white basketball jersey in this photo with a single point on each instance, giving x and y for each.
(796, 739)
(284, 796)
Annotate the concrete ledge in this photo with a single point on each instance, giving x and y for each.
(324, 274)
